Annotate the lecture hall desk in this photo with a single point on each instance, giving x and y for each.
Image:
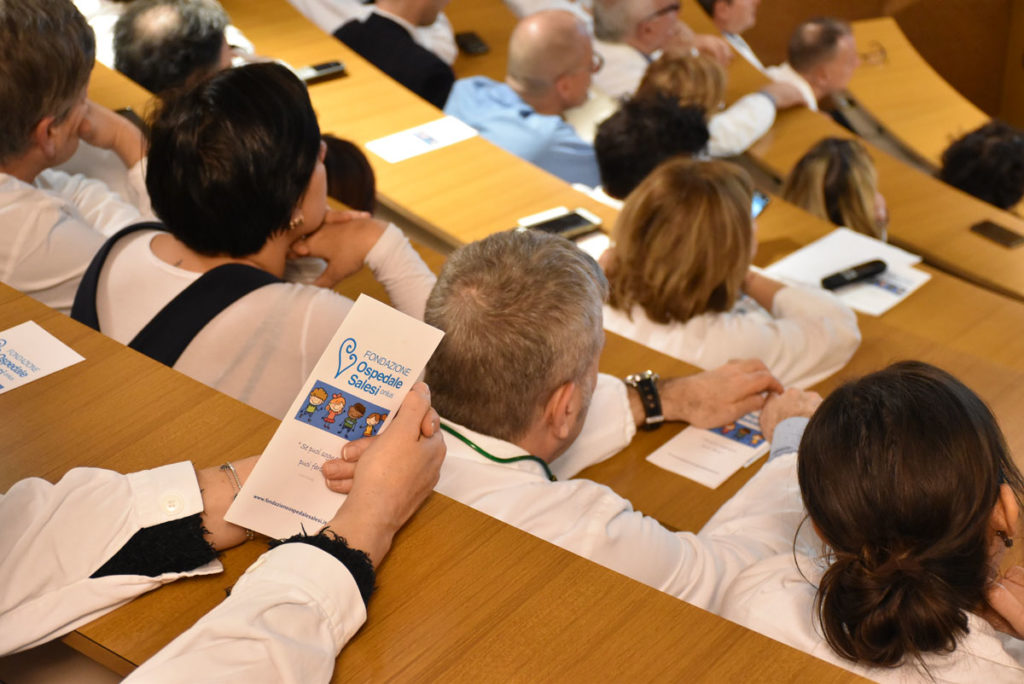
(927, 216)
(962, 329)
(462, 596)
(464, 191)
(906, 95)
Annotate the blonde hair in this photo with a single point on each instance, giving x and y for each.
(683, 241)
(694, 81)
(837, 181)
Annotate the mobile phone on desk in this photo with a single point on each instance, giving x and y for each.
(471, 43)
(561, 221)
(758, 203)
(324, 71)
(998, 234)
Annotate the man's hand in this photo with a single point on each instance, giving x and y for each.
(789, 404)
(718, 396)
(394, 473)
(343, 241)
(104, 128)
(786, 95)
(1006, 599)
(714, 47)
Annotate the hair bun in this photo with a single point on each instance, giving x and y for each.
(878, 612)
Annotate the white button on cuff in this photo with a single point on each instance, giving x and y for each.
(172, 504)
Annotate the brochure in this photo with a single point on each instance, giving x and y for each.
(27, 353)
(364, 374)
(710, 457)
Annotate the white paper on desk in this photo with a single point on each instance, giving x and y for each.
(27, 353)
(421, 139)
(843, 248)
(710, 457)
(362, 377)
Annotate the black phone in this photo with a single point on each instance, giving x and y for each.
(324, 71)
(998, 234)
(471, 43)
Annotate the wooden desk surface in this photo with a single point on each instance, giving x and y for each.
(459, 193)
(493, 21)
(927, 216)
(461, 595)
(906, 94)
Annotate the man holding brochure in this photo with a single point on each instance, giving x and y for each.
(515, 380)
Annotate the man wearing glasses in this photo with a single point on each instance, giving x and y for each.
(632, 33)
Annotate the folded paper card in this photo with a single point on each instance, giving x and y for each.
(354, 389)
(710, 457)
(418, 140)
(27, 353)
(842, 249)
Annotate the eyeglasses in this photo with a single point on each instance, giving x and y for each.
(596, 62)
(667, 9)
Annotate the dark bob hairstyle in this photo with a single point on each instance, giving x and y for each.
(230, 158)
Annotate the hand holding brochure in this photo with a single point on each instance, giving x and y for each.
(361, 379)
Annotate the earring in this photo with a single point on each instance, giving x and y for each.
(296, 222)
(1006, 540)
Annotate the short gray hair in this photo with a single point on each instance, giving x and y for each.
(46, 55)
(612, 20)
(522, 315)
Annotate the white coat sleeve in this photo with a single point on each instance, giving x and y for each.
(285, 621)
(53, 537)
(401, 271)
(698, 568)
(101, 208)
(741, 125)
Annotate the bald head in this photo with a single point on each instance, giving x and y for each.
(545, 46)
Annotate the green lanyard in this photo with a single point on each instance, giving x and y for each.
(477, 448)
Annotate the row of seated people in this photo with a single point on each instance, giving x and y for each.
(225, 196)
(412, 41)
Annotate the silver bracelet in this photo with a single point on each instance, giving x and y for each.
(229, 469)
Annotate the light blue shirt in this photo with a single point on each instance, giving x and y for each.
(504, 119)
(788, 434)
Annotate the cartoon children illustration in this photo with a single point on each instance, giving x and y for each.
(354, 414)
(317, 397)
(334, 407)
(372, 421)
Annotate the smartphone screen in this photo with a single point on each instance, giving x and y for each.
(758, 203)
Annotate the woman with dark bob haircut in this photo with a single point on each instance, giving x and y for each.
(236, 175)
(913, 499)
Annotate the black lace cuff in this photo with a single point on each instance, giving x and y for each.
(174, 546)
(356, 561)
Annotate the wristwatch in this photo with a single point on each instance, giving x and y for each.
(646, 385)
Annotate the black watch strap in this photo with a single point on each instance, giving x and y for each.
(646, 385)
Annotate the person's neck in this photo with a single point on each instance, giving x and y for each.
(641, 46)
(401, 10)
(24, 168)
(173, 251)
(546, 103)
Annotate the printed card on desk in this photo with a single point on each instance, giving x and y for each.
(361, 379)
(27, 353)
(710, 457)
(844, 248)
(421, 139)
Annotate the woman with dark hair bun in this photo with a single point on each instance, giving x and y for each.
(912, 499)
(236, 175)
